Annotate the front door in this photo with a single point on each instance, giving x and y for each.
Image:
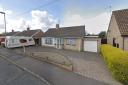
(36, 41)
(59, 43)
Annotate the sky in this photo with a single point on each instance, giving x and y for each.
(45, 14)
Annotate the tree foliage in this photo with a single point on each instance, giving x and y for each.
(102, 34)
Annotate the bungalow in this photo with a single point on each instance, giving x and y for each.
(9, 34)
(71, 38)
(65, 37)
(117, 34)
(12, 33)
(35, 34)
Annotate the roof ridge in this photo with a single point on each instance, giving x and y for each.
(31, 30)
(69, 27)
(120, 10)
(73, 26)
(74, 31)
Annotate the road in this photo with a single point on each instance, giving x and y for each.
(54, 75)
(11, 75)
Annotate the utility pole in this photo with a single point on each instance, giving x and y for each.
(110, 6)
(5, 27)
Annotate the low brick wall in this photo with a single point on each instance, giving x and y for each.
(65, 64)
(53, 58)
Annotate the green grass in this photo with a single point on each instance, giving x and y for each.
(117, 61)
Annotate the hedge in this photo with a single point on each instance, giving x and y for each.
(117, 61)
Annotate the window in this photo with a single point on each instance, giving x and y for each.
(114, 43)
(48, 41)
(71, 42)
(117, 45)
(23, 41)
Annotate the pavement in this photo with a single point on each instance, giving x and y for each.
(54, 75)
(87, 64)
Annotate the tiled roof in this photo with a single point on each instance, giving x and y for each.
(28, 33)
(74, 31)
(11, 33)
(121, 17)
(39, 34)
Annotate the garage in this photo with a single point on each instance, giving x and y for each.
(90, 46)
(91, 43)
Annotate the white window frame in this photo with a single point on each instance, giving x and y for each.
(71, 42)
(49, 41)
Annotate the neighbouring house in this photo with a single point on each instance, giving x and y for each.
(117, 34)
(35, 34)
(2, 38)
(8, 34)
(65, 37)
(12, 33)
(71, 38)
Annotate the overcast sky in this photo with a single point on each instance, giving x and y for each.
(43, 14)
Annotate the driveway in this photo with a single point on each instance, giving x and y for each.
(87, 64)
(53, 74)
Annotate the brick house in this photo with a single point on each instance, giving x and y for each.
(117, 34)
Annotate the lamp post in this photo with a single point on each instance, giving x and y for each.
(4, 26)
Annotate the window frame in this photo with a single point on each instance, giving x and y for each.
(71, 42)
(23, 40)
(49, 41)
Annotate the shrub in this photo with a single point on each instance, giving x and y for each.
(117, 61)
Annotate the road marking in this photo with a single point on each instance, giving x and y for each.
(25, 69)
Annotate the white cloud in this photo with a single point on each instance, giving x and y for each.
(17, 25)
(7, 13)
(39, 20)
(42, 20)
(92, 25)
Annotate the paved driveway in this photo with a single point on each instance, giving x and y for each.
(86, 64)
(55, 75)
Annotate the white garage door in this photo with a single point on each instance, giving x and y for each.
(90, 46)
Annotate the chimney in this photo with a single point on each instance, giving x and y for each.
(57, 26)
(28, 28)
(12, 30)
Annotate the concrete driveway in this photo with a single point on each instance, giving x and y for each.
(87, 64)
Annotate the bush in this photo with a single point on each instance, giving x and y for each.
(117, 61)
